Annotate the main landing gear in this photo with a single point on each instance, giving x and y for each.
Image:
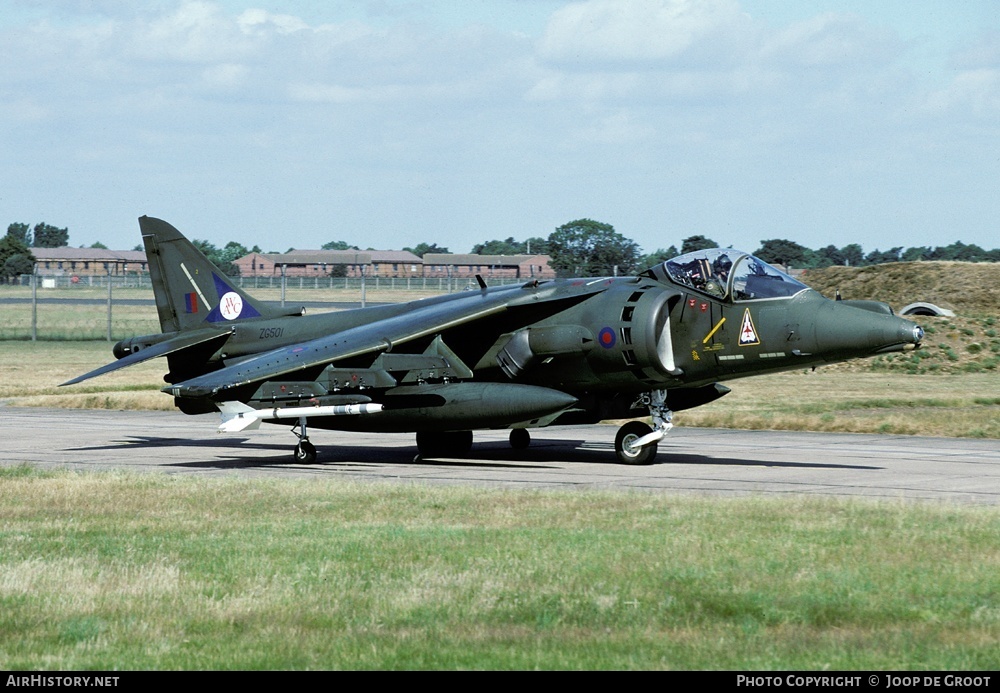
(636, 442)
(519, 438)
(305, 452)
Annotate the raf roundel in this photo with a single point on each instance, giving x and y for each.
(606, 337)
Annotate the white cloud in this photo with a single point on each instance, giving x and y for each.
(830, 39)
(633, 31)
(256, 20)
(971, 92)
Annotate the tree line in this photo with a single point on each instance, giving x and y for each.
(581, 248)
(15, 247)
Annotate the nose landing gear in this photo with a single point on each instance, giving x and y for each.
(636, 443)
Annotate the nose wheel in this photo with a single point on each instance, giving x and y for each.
(636, 442)
(625, 444)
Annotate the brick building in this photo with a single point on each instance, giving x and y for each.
(82, 262)
(501, 266)
(319, 263)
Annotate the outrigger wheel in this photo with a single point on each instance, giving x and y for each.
(305, 452)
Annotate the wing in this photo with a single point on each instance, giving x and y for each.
(375, 337)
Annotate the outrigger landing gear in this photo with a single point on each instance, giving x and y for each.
(305, 452)
(636, 442)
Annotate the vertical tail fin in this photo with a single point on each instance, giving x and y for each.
(190, 291)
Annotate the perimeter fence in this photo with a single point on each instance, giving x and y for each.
(114, 307)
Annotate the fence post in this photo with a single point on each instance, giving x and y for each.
(34, 303)
(109, 301)
(362, 286)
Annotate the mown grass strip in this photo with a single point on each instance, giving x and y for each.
(156, 572)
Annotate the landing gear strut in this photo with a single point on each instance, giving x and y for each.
(305, 452)
(636, 442)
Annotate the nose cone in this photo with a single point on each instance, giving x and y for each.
(844, 332)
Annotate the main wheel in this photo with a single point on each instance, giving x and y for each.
(627, 435)
(520, 438)
(305, 452)
(444, 444)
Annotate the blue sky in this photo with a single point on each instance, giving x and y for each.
(393, 122)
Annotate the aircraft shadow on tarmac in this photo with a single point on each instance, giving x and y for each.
(542, 454)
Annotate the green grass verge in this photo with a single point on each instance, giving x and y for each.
(105, 571)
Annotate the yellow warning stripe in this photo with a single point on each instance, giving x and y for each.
(714, 330)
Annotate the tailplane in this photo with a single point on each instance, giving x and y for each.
(190, 291)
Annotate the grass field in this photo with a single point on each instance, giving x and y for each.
(114, 571)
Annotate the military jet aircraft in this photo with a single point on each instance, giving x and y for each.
(567, 351)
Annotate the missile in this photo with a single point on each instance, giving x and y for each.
(237, 416)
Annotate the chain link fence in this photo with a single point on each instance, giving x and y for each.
(114, 307)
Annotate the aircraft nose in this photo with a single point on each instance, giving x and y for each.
(843, 330)
(896, 334)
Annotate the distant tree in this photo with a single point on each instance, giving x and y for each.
(16, 265)
(589, 248)
(138, 246)
(22, 233)
(916, 254)
(854, 256)
(507, 247)
(693, 243)
(423, 248)
(99, 245)
(224, 258)
(657, 256)
(338, 245)
(963, 253)
(15, 258)
(878, 257)
(204, 246)
(783, 252)
(830, 255)
(47, 236)
(536, 246)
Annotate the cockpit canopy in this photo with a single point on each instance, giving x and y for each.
(728, 273)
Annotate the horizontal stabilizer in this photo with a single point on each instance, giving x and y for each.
(170, 346)
(237, 416)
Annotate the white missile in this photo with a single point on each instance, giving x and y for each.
(237, 416)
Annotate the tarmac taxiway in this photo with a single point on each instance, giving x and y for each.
(690, 460)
